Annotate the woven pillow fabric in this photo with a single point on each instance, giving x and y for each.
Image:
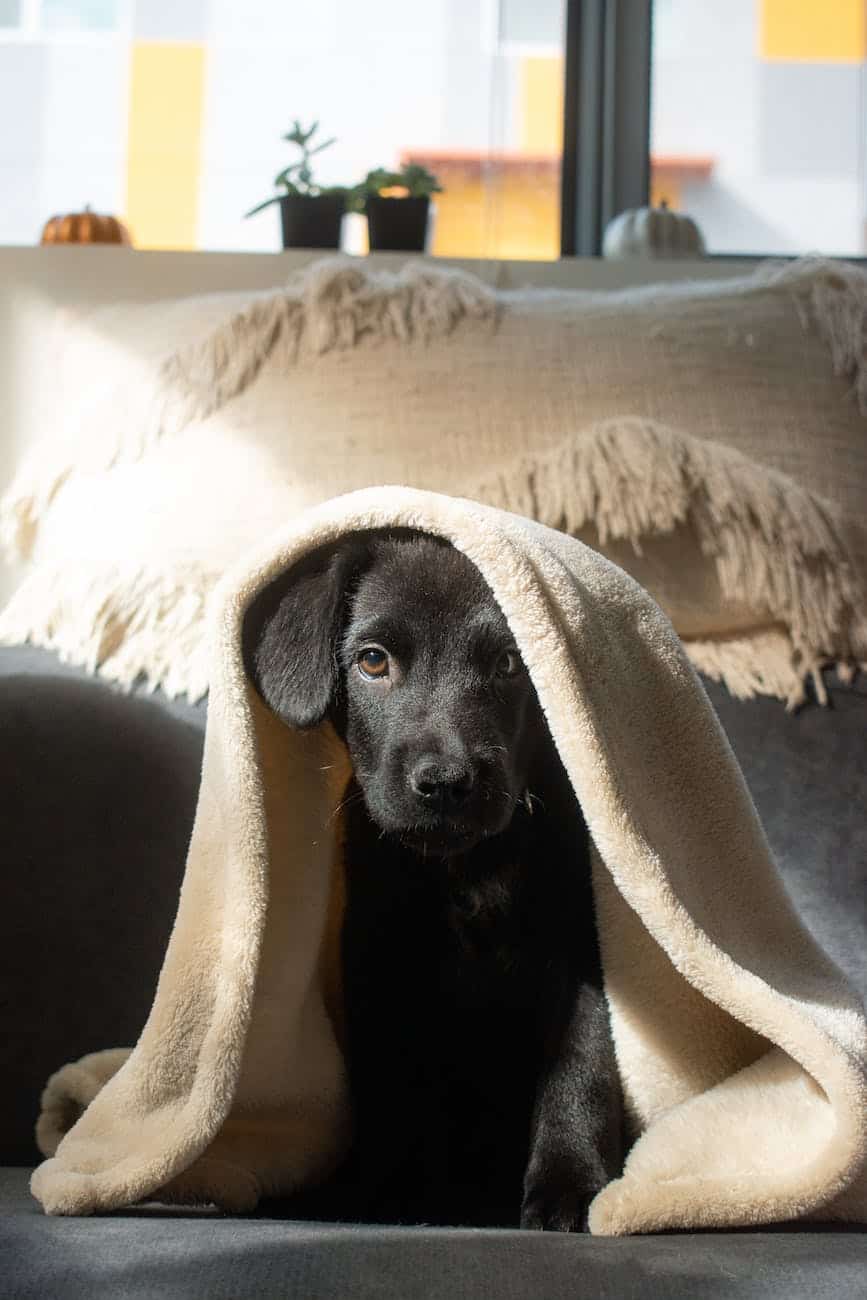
(709, 437)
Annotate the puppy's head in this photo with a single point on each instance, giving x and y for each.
(399, 641)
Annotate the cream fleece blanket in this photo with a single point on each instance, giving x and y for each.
(742, 1051)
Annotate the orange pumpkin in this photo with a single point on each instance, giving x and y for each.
(85, 228)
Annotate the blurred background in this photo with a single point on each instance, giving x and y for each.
(169, 114)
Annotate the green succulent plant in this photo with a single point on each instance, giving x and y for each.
(297, 178)
(415, 179)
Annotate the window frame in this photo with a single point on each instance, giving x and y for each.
(606, 159)
(606, 118)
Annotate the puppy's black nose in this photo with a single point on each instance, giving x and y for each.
(441, 786)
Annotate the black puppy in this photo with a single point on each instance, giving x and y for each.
(481, 1067)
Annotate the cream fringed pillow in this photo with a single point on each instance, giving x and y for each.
(709, 437)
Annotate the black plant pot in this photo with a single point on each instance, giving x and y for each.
(399, 224)
(311, 220)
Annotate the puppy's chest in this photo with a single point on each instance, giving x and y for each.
(484, 924)
(489, 965)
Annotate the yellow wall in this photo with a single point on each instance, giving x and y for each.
(515, 215)
(164, 145)
(814, 30)
(541, 91)
(663, 188)
(515, 210)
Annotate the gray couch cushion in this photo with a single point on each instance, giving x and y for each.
(807, 773)
(31, 661)
(97, 794)
(157, 1252)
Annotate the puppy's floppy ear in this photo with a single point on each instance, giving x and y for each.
(291, 633)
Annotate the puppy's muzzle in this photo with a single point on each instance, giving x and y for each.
(441, 787)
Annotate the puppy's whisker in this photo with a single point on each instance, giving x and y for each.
(344, 803)
(491, 790)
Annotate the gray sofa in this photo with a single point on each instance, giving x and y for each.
(97, 794)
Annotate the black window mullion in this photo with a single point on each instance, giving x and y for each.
(606, 125)
(569, 163)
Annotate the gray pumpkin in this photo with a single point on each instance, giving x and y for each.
(652, 232)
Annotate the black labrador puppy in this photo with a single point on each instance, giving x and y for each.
(480, 1060)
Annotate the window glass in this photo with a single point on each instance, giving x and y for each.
(759, 122)
(540, 23)
(176, 126)
(79, 15)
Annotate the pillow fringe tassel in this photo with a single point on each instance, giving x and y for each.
(332, 304)
(776, 546)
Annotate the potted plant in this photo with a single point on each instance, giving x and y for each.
(397, 206)
(310, 215)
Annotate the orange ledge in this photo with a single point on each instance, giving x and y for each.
(696, 167)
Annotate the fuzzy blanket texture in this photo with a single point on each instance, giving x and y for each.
(742, 1051)
(709, 437)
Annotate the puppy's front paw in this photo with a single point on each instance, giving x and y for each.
(552, 1211)
(557, 1194)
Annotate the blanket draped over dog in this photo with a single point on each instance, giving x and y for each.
(742, 1051)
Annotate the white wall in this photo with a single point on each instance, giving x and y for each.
(787, 137)
(397, 74)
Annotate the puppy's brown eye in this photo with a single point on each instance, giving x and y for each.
(509, 664)
(373, 663)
